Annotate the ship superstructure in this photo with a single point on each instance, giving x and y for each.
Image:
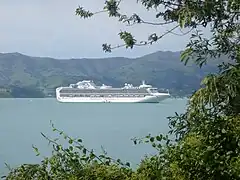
(88, 91)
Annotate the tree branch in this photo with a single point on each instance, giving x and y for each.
(101, 158)
(152, 38)
(157, 24)
(183, 34)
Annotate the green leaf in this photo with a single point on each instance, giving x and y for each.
(159, 138)
(36, 150)
(92, 155)
(128, 164)
(80, 140)
(152, 139)
(84, 151)
(58, 147)
(224, 131)
(135, 142)
(70, 148)
(182, 18)
(70, 141)
(79, 147)
(185, 55)
(101, 156)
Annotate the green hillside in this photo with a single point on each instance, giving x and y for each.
(162, 69)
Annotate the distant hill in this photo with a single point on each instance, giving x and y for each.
(161, 69)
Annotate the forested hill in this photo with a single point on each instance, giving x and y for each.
(161, 69)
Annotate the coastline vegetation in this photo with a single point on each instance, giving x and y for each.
(21, 92)
(35, 92)
(206, 143)
(45, 74)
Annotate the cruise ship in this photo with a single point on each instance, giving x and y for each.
(88, 91)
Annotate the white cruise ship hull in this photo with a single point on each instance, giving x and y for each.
(87, 92)
(146, 99)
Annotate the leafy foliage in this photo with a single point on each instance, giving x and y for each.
(74, 161)
(204, 142)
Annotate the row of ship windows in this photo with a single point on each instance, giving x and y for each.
(80, 95)
(104, 91)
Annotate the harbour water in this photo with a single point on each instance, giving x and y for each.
(106, 124)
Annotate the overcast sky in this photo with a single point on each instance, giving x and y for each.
(50, 28)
